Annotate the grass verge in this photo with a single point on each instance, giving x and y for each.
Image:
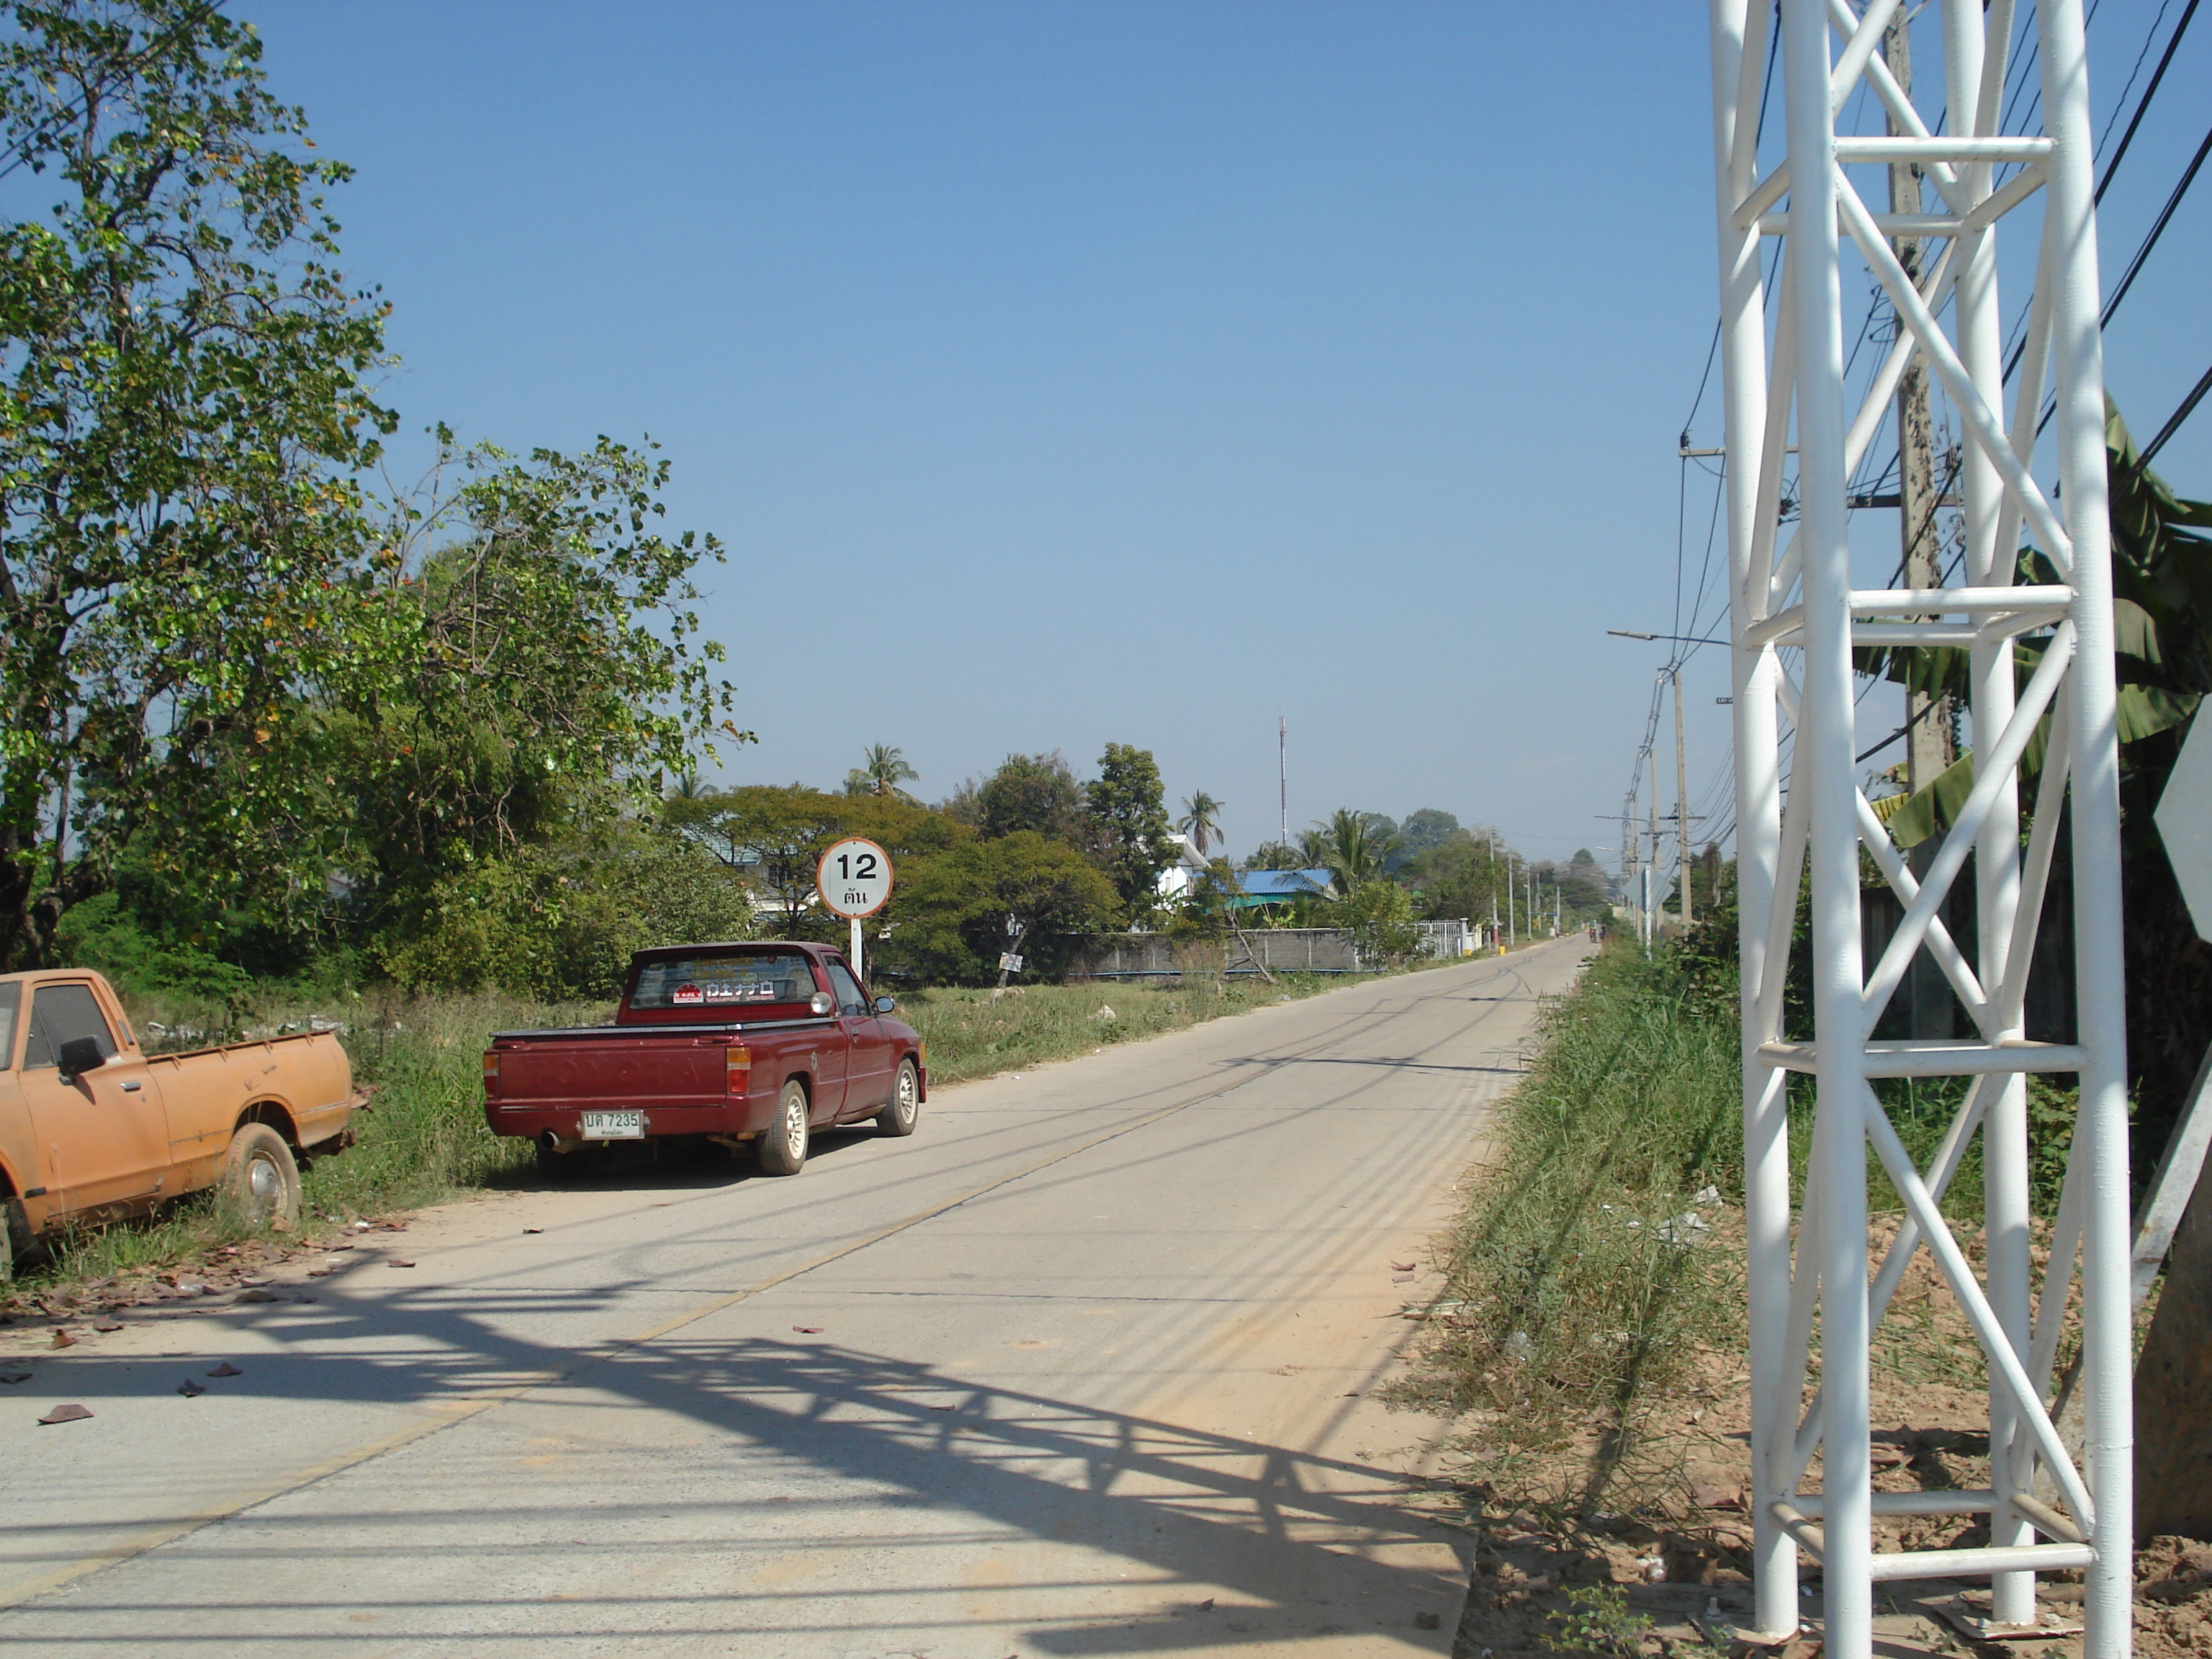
(1586, 1274)
(1594, 1277)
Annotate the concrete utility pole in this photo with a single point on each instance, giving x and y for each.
(1682, 798)
(1658, 892)
(1496, 937)
(1628, 850)
(1929, 748)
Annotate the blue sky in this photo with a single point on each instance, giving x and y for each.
(1059, 373)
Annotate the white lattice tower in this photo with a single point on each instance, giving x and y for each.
(1792, 588)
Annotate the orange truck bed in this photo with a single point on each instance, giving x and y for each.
(92, 1126)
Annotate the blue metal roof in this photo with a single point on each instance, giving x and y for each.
(1284, 884)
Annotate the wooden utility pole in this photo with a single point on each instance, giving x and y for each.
(1929, 745)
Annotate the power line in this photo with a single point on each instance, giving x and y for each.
(2149, 92)
(2157, 230)
(2173, 421)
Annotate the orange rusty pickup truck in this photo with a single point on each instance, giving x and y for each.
(91, 1126)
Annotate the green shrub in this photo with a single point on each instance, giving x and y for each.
(1378, 917)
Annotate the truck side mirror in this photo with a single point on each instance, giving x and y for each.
(80, 1055)
(884, 1004)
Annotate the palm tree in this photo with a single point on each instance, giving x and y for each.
(1202, 817)
(883, 768)
(1354, 850)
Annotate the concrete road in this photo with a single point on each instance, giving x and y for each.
(1081, 1369)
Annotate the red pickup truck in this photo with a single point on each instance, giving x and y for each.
(756, 1044)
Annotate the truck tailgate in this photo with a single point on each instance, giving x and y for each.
(660, 1069)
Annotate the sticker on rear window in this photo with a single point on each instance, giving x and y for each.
(744, 977)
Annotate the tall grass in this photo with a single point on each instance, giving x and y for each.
(1592, 1265)
(1597, 1263)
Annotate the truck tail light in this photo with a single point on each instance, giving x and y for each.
(738, 1068)
(491, 1076)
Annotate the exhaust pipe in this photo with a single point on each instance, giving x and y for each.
(549, 1141)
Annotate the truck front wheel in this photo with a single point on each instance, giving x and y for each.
(898, 1115)
(782, 1147)
(260, 1178)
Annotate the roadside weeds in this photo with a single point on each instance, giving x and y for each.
(1588, 1348)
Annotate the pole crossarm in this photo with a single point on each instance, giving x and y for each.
(1800, 424)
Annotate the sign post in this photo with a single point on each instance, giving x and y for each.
(854, 880)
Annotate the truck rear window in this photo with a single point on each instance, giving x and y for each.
(723, 980)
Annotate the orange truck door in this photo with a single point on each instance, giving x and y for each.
(102, 1136)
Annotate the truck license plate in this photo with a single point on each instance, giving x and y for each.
(613, 1125)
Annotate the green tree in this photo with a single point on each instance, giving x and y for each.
(956, 911)
(1355, 849)
(182, 418)
(1460, 877)
(1129, 821)
(1276, 855)
(904, 828)
(560, 918)
(772, 835)
(542, 675)
(1036, 793)
(1422, 831)
(1200, 820)
(881, 772)
(1378, 917)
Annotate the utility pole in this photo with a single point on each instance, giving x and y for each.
(1283, 772)
(1658, 892)
(1627, 849)
(1682, 798)
(1493, 890)
(1927, 743)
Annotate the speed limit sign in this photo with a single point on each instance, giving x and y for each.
(854, 878)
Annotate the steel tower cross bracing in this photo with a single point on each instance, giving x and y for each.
(2048, 1507)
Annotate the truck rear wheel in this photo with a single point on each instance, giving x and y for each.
(899, 1113)
(260, 1177)
(782, 1147)
(18, 1246)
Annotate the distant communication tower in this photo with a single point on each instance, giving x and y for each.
(1784, 355)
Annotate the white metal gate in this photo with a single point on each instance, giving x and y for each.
(1794, 590)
